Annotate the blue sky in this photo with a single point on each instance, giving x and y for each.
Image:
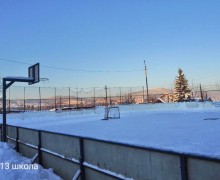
(113, 35)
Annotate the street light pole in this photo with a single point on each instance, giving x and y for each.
(145, 71)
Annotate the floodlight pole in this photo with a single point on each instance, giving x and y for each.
(145, 71)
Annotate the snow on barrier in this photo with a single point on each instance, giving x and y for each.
(73, 156)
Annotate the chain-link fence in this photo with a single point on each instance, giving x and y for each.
(46, 98)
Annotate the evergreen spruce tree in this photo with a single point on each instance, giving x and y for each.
(181, 88)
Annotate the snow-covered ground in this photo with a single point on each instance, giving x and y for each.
(15, 166)
(181, 127)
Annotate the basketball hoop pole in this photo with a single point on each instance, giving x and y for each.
(4, 110)
(5, 86)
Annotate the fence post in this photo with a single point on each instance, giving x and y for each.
(17, 139)
(69, 97)
(183, 167)
(24, 101)
(120, 96)
(202, 99)
(94, 96)
(55, 100)
(110, 97)
(9, 100)
(39, 148)
(1, 132)
(60, 102)
(77, 98)
(40, 98)
(106, 96)
(81, 159)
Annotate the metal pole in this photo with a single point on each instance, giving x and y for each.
(4, 134)
(81, 159)
(39, 148)
(145, 70)
(120, 94)
(17, 139)
(40, 98)
(24, 101)
(201, 92)
(183, 167)
(60, 103)
(77, 98)
(106, 96)
(94, 96)
(55, 105)
(110, 99)
(69, 97)
(9, 101)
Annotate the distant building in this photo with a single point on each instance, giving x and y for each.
(165, 98)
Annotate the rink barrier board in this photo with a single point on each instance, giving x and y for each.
(107, 159)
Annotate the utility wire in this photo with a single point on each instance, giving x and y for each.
(69, 69)
(13, 61)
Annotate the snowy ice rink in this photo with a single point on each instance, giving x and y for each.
(181, 127)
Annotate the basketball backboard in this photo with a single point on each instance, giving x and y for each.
(34, 72)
